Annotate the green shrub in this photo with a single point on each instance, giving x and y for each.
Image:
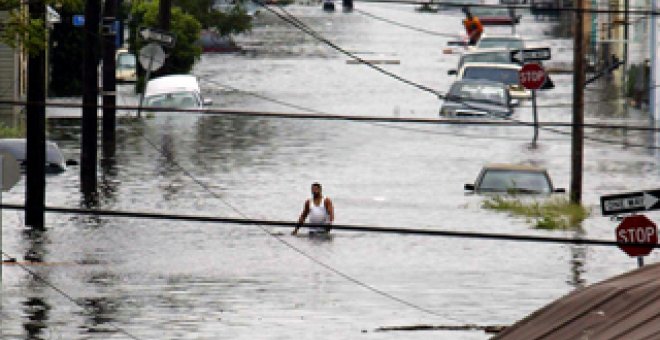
(553, 213)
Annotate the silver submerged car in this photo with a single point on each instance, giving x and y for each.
(513, 178)
(477, 98)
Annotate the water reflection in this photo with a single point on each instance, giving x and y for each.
(578, 260)
(36, 240)
(109, 185)
(100, 315)
(36, 312)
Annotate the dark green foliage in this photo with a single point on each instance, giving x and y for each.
(234, 21)
(65, 54)
(185, 28)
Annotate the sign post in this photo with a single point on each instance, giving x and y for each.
(532, 76)
(638, 230)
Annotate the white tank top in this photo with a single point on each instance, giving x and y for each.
(318, 214)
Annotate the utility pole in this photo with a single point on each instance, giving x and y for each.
(90, 123)
(654, 77)
(577, 141)
(165, 14)
(35, 184)
(164, 18)
(109, 79)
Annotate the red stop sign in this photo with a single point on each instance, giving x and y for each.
(637, 229)
(532, 76)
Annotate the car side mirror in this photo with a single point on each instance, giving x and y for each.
(452, 72)
(469, 187)
(71, 162)
(207, 102)
(560, 190)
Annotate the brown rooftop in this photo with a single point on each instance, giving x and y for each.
(625, 307)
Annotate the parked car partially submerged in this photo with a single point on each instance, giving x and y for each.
(488, 55)
(513, 178)
(503, 73)
(179, 91)
(511, 42)
(55, 162)
(126, 71)
(477, 98)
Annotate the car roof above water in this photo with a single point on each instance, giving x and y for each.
(17, 148)
(516, 167)
(172, 83)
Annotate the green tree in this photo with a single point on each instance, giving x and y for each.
(18, 30)
(65, 55)
(234, 21)
(185, 28)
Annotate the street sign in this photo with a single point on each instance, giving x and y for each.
(532, 76)
(155, 35)
(78, 20)
(630, 202)
(530, 54)
(152, 57)
(637, 229)
(11, 172)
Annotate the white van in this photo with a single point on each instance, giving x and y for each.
(174, 91)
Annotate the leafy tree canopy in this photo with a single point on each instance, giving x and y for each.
(185, 28)
(17, 29)
(233, 21)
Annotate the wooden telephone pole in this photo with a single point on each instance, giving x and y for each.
(35, 184)
(89, 143)
(109, 78)
(577, 141)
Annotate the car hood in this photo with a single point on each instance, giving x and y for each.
(472, 107)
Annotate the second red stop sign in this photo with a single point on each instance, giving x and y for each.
(637, 229)
(532, 76)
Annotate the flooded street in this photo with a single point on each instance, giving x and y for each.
(181, 280)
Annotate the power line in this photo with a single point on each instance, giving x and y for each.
(523, 7)
(338, 117)
(390, 126)
(67, 296)
(304, 28)
(432, 231)
(396, 23)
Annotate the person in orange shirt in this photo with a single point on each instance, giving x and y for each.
(473, 27)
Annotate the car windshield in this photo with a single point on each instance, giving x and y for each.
(500, 75)
(483, 12)
(479, 92)
(126, 60)
(490, 57)
(181, 100)
(515, 180)
(510, 43)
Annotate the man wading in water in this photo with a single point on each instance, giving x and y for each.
(320, 211)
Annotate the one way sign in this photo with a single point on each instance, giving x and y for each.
(530, 54)
(630, 202)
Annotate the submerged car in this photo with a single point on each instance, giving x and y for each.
(477, 98)
(511, 42)
(126, 68)
(179, 91)
(489, 55)
(513, 178)
(502, 73)
(55, 162)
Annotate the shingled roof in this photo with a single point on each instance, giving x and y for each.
(624, 307)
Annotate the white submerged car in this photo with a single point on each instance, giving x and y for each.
(175, 91)
(502, 73)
